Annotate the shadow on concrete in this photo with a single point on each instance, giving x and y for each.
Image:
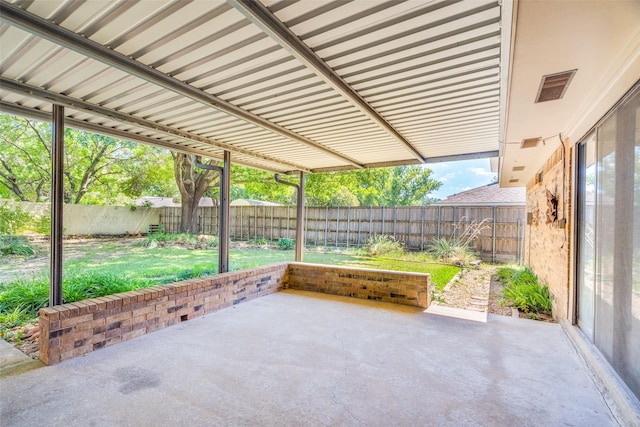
(298, 358)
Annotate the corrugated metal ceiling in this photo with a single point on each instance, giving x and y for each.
(283, 85)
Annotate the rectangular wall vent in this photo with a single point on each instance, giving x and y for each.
(511, 181)
(530, 142)
(554, 86)
(517, 168)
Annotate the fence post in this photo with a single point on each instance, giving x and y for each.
(493, 233)
(316, 239)
(395, 220)
(288, 220)
(454, 221)
(358, 239)
(348, 224)
(518, 242)
(422, 229)
(337, 225)
(326, 225)
(382, 229)
(370, 222)
(241, 222)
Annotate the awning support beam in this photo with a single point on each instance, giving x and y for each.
(225, 186)
(48, 30)
(57, 205)
(261, 16)
(223, 215)
(299, 213)
(78, 104)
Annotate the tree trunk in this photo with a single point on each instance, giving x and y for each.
(192, 184)
(189, 215)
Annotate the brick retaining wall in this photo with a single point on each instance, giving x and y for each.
(71, 330)
(78, 328)
(387, 286)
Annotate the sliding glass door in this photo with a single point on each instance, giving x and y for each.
(586, 234)
(608, 238)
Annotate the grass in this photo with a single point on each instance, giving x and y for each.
(15, 245)
(111, 267)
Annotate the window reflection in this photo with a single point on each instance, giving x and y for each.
(609, 239)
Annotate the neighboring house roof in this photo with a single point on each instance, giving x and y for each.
(251, 202)
(491, 194)
(161, 202)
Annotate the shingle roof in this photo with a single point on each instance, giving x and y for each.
(491, 194)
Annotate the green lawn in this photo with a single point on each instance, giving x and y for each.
(162, 264)
(103, 268)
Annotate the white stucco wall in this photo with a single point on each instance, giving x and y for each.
(98, 220)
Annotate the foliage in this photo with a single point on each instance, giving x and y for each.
(212, 242)
(398, 186)
(98, 169)
(42, 223)
(13, 218)
(382, 244)
(458, 247)
(191, 241)
(102, 170)
(137, 267)
(16, 317)
(285, 243)
(259, 241)
(28, 295)
(444, 249)
(15, 245)
(523, 290)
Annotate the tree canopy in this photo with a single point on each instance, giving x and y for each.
(397, 186)
(104, 170)
(98, 169)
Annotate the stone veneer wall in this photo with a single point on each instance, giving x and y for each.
(547, 245)
(71, 330)
(387, 286)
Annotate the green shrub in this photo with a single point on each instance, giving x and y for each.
(13, 219)
(42, 224)
(28, 295)
(443, 248)
(96, 284)
(523, 290)
(32, 295)
(286, 243)
(259, 241)
(17, 317)
(382, 244)
(452, 250)
(15, 245)
(212, 242)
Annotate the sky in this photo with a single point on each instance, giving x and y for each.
(460, 176)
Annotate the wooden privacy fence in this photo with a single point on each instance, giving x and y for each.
(501, 238)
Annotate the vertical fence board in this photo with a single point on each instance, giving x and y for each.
(415, 226)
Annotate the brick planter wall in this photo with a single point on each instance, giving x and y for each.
(387, 286)
(78, 328)
(71, 330)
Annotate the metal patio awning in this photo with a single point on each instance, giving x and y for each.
(282, 85)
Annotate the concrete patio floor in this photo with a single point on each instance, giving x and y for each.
(298, 358)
